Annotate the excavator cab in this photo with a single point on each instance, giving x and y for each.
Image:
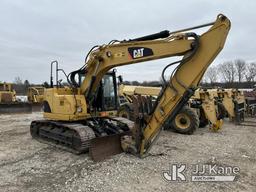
(106, 99)
(106, 96)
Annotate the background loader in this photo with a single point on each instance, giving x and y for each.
(185, 122)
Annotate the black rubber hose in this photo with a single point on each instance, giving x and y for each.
(194, 48)
(162, 34)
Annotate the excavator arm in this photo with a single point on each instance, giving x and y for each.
(198, 52)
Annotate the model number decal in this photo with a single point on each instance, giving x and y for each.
(139, 52)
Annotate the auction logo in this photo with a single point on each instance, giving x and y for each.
(201, 173)
(175, 173)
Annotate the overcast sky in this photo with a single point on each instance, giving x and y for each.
(33, 33)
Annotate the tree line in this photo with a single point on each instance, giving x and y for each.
(231, 72)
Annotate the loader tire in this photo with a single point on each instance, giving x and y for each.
(125, 111)
(186, 121)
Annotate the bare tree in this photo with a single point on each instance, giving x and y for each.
(228, 71)
(250, 72)
(240, 66)
(18, 81)
(211, 75)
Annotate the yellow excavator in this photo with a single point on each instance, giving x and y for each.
(71, 113)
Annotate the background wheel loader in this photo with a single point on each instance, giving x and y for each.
(203, 107)
(71, 113)
(185, 122)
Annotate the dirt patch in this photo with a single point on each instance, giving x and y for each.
(27, 165)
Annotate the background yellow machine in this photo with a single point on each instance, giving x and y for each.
(7, 93)
(8, 101)
(234, 103)
(209, 109)
(35, 94)
(126, 92)
(35, 97)
(204, 101)
(71, 113)
(185, 122)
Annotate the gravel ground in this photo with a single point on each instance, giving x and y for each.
(27, 165)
